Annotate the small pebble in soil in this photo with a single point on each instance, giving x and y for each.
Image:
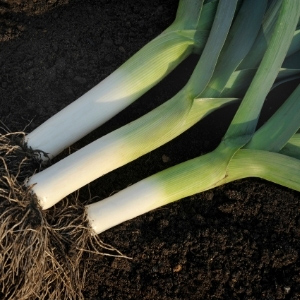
(177, 268)
(165, 158)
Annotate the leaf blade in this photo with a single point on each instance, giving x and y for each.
(244, 122)
(283, 124)
(238, 43)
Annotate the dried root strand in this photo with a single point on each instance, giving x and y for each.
(43, 254)
(33, 262)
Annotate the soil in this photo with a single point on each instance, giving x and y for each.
(238, 241)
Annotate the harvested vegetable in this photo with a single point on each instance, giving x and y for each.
(57, 242)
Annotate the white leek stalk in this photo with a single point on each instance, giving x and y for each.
(194, 176)
(121, 146)
(136, 76)
(132, 140)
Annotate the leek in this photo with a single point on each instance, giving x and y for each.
(201, 95)
(34, 256)
(132, 141)
(187, 34)
(243, 152)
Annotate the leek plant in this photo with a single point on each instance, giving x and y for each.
(249, 42)
(272, 152)
(215, 82)
(187, 34)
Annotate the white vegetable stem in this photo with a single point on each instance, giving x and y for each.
(136, 138)
(175, 183)
(228, 162)
(136, 76)
(121, 146)
(191, 177)
(196, 175)
(125, 205)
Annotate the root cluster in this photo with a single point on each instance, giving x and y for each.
(42, 253)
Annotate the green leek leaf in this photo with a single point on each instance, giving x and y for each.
(188, 14)
(239, 41)
(283, 124)
(260, 45)
(292, 148)
(295, 45)
(244, 122)
(240, 80)
(208, 60)
(292, 61)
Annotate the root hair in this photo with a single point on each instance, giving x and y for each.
(43, 254)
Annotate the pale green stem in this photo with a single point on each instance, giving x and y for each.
(121, 146)
(136, 76)
(189, 178)
(283, 124)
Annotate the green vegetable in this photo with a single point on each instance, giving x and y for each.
(243, 152)
(136, 76)
(216, 74)
(246, 48)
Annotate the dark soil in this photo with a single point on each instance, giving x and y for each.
(239, 241)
